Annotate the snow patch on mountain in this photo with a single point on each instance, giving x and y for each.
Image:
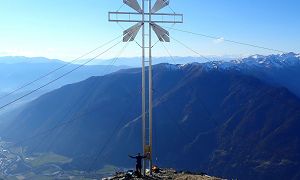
(170, 67)
(257, 56)
(194, 64)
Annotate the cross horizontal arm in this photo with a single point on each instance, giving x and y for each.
(137, 17)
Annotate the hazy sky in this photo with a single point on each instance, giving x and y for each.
(66, 29)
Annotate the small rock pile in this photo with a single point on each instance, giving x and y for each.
(161, 175)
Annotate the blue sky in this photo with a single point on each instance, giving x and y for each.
(65, 29)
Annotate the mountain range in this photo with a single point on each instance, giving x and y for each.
(237, 119)
(136, 61)
(279, 70)
(16, 72)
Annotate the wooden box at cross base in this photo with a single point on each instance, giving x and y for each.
(147, 151)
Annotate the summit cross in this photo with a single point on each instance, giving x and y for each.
(146, 17)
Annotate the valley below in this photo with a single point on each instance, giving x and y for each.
(16, 164)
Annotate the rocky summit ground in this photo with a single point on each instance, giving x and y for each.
(163, 174)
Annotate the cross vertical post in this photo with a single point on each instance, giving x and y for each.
(150, 89)
(143, 88)
(152, 20)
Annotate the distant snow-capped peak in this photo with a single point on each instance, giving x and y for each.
(255, 61)
(271, 61)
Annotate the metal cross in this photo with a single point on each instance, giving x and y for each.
(143, 17)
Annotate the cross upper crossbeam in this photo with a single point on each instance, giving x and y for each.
(136, 17)
(141, 17)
